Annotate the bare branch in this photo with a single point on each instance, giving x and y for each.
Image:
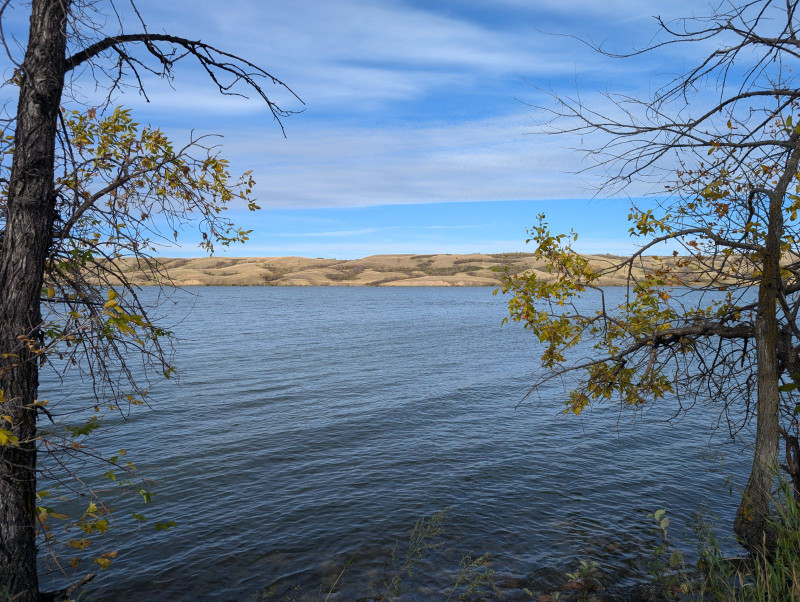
(214, 61)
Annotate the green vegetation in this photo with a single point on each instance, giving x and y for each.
(83, 189)
(731, 206)
(766, 575)
(345, 273)
(422, 540)
(472, 581)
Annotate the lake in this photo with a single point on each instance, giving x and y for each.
(311, 428)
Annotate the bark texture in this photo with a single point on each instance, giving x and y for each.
(752, 524)
(25, 244)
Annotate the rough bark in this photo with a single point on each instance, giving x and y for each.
(752, 524)
(28, 235)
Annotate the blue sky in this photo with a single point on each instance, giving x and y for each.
(415, 135)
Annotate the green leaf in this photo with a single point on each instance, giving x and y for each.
(658, 514)
(787, 387)
(163, 526)
(675, 559)
(81, 431)
(146, 495)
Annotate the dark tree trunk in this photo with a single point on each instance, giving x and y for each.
(28, 235)
(752, 524)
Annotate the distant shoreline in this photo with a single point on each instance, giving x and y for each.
(441, 270)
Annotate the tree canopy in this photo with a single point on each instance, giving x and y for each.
(83, 187)
(719, 146)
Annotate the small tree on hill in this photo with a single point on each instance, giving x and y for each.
(722, 143)
(80, 190)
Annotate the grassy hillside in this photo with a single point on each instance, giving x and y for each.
(376, 270)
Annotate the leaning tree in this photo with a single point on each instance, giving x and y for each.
(719, 145)
(86, 192)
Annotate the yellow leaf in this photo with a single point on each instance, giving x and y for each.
(103, 562)
(110, 303)
(7, 418)
(79, 544)
(8, 438)
(125, 328)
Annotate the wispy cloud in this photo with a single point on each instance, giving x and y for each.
(406, 103)
(356, 55)
(490, 159)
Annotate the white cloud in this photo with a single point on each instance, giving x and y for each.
(359, 52)
(371, 133)
(371, 72)
(477, 160)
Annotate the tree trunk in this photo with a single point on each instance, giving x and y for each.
(752, 524)
(25, 244)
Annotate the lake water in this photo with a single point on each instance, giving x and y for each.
(312, 427)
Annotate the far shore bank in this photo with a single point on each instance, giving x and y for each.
(376, 270)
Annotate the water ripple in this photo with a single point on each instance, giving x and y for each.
(312, 427)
